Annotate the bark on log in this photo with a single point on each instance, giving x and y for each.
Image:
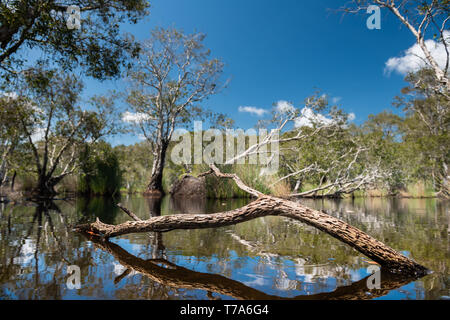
(386, 257)
(178, 277)
(389, 259)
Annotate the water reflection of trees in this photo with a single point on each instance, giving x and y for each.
(37, 245)
(34, 250)
(405, 224)
(277, 241)
(416, 227)
(166, 273)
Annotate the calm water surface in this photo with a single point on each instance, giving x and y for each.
(267, 258)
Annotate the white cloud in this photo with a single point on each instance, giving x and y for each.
(26, 253)
(309, 117)
(134, 117)
(284, 107)
(351, 116)
(413, 58)
(257, 280)
(336, 100)
(118, 269)
(253, 110)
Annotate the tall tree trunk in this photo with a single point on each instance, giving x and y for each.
(13, 180)
(46, 186)
(3, 175)
(297, 185)
(3, 164)
(155, 187)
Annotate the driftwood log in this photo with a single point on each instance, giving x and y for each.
(389, 259)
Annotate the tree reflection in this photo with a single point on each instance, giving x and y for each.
(25, 262)
(37, 244)
(156, 238)
(188, 206)
(166, 273)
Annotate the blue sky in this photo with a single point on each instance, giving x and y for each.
(285, 50)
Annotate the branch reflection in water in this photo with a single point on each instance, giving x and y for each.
(275, 257)
(169, 274)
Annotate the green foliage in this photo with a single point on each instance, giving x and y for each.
(407, 153)
(426, 129)
(226, 189)
(385, 146)
(98, 47)
(100, 172)
(54, 127)
(136, 163)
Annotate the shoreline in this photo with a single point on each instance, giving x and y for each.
(24, 197)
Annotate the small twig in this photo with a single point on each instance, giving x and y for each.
(214, 170)
(128, 212)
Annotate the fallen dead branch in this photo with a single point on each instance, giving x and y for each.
(388, 258)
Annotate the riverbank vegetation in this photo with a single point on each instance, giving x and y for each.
(53, 146)
(389, 154)
(57, 139)
(54, 140)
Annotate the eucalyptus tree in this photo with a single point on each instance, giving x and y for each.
(73, 33)
(428, 18)
(169, 80)
(426, 129)
(56, 128)
(383, 138)
(10, 131)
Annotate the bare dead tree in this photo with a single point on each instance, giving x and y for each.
(339, 172)
(324, 129)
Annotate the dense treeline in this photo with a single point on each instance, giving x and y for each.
(53, 139)
(403, 153)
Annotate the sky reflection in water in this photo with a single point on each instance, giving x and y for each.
(267, 258)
